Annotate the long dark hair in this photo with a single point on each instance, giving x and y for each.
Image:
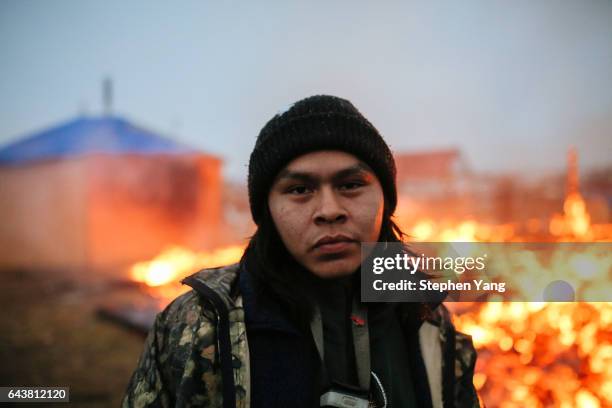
(279, 277)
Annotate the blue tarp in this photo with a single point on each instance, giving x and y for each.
(86, 135)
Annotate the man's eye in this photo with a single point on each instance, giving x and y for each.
(298, 190)
(351, 185)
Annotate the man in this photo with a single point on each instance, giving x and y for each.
(285, 327)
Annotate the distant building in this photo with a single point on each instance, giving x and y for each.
(439, 166)
(435, 183)
(101, 193)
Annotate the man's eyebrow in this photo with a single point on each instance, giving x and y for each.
(309, 177)
(353, 170)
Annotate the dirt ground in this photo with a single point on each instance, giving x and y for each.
(51, 336)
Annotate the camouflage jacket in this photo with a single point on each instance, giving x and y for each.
(197, 355)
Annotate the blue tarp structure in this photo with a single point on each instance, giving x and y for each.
(87, 135)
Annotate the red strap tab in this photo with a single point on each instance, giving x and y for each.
(357, 320)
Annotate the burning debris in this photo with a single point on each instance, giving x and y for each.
(541, 354)
(162, 274)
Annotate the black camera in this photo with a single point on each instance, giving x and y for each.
(344, 396)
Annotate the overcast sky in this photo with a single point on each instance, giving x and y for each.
(512, 84)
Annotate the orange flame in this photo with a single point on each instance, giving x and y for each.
(162, 274)
(539, 354)
(177, 262)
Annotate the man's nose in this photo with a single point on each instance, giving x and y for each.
(329, 208)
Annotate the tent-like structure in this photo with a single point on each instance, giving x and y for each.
(102, 193)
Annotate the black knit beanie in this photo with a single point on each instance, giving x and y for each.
(318, 122)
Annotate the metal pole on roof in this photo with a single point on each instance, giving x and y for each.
(107, 95)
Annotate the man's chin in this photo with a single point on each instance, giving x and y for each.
(334, 269)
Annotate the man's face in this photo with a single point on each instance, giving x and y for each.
(324, 204)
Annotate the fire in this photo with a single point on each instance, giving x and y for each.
(539, 354)
(163, 273)
(427, 230)
(574, 222)
(557, 353)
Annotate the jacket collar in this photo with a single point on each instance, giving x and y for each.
(260, 314)
(220, 280)
(266, 315)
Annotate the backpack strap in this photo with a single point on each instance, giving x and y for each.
(448, 364)
(224, 344)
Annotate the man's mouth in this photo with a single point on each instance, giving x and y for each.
(333, 244)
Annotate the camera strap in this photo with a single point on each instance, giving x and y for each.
(361, 340)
